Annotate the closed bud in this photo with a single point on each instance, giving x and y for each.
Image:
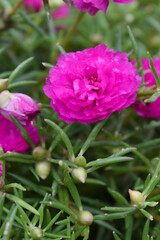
(43, 169)
(80, 161)
(35, 232)
(85, 218)
(79, 174)
(136, 196)
(39, 153)
(3, 84)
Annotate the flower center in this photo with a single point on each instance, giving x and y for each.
(93, 80)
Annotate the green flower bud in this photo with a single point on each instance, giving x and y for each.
(85, 218)
(43, 169)
(3, 84)
(39, 153)
(79, 174)
(80, 161)
(136, 196)
(35, 232)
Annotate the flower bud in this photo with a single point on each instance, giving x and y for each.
(43, 169)
(85, 218)
(21, 106)
(39, 153)
(36, 232)
(79, 174)
(3, 84)
(136, 196)
(80, 161)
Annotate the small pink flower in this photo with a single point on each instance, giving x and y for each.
(21, 106)
(152, 109)
(89, 85)
(11, 138)
(1, 169)
(33, 4)
(62, 12)
(93, 6)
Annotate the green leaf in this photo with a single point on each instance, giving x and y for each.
(116, 236)
(73, 190)
(110, 160)
(154, 71)
(50, 224)
(22, 203)
(60, 206)
(95, 181)
(21, 83)
(136, 50)
(128, 227)
(23, 131)
(153, 98)
(64, 137)
(2, 199)
(2, 227)
(117, 209)
(19, 68)
(29, 184)
(146, 214)
(91, 137)
(118, 197)
(115, 215)
(145, 230)
(15, 185)
(23, 215)
(153, 182)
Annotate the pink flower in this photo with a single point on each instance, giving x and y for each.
(33, 4)
(1, 169)
(62, 12)
(11, 138)
(149, 110)
(89, 85)
(21, 106)
(93, 6)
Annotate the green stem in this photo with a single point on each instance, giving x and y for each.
(72, 30)
(69, 35)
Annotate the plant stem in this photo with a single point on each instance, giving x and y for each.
(15, 8)
(68, 36)
(72, 30)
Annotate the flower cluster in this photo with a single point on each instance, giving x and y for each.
(152, 109)
(93, 6)
(90, 85)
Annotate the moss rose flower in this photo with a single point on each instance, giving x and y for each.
(152, 109)
(88, 86)
(93, 6)
(11, 138)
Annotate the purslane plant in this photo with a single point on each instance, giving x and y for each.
(75, 184)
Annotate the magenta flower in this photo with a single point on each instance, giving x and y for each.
(88, 86)
(93, 6)
(1, 169)
(11, 138)
(33, 4)
(152, 109)
(62, 12)
(21, 106)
